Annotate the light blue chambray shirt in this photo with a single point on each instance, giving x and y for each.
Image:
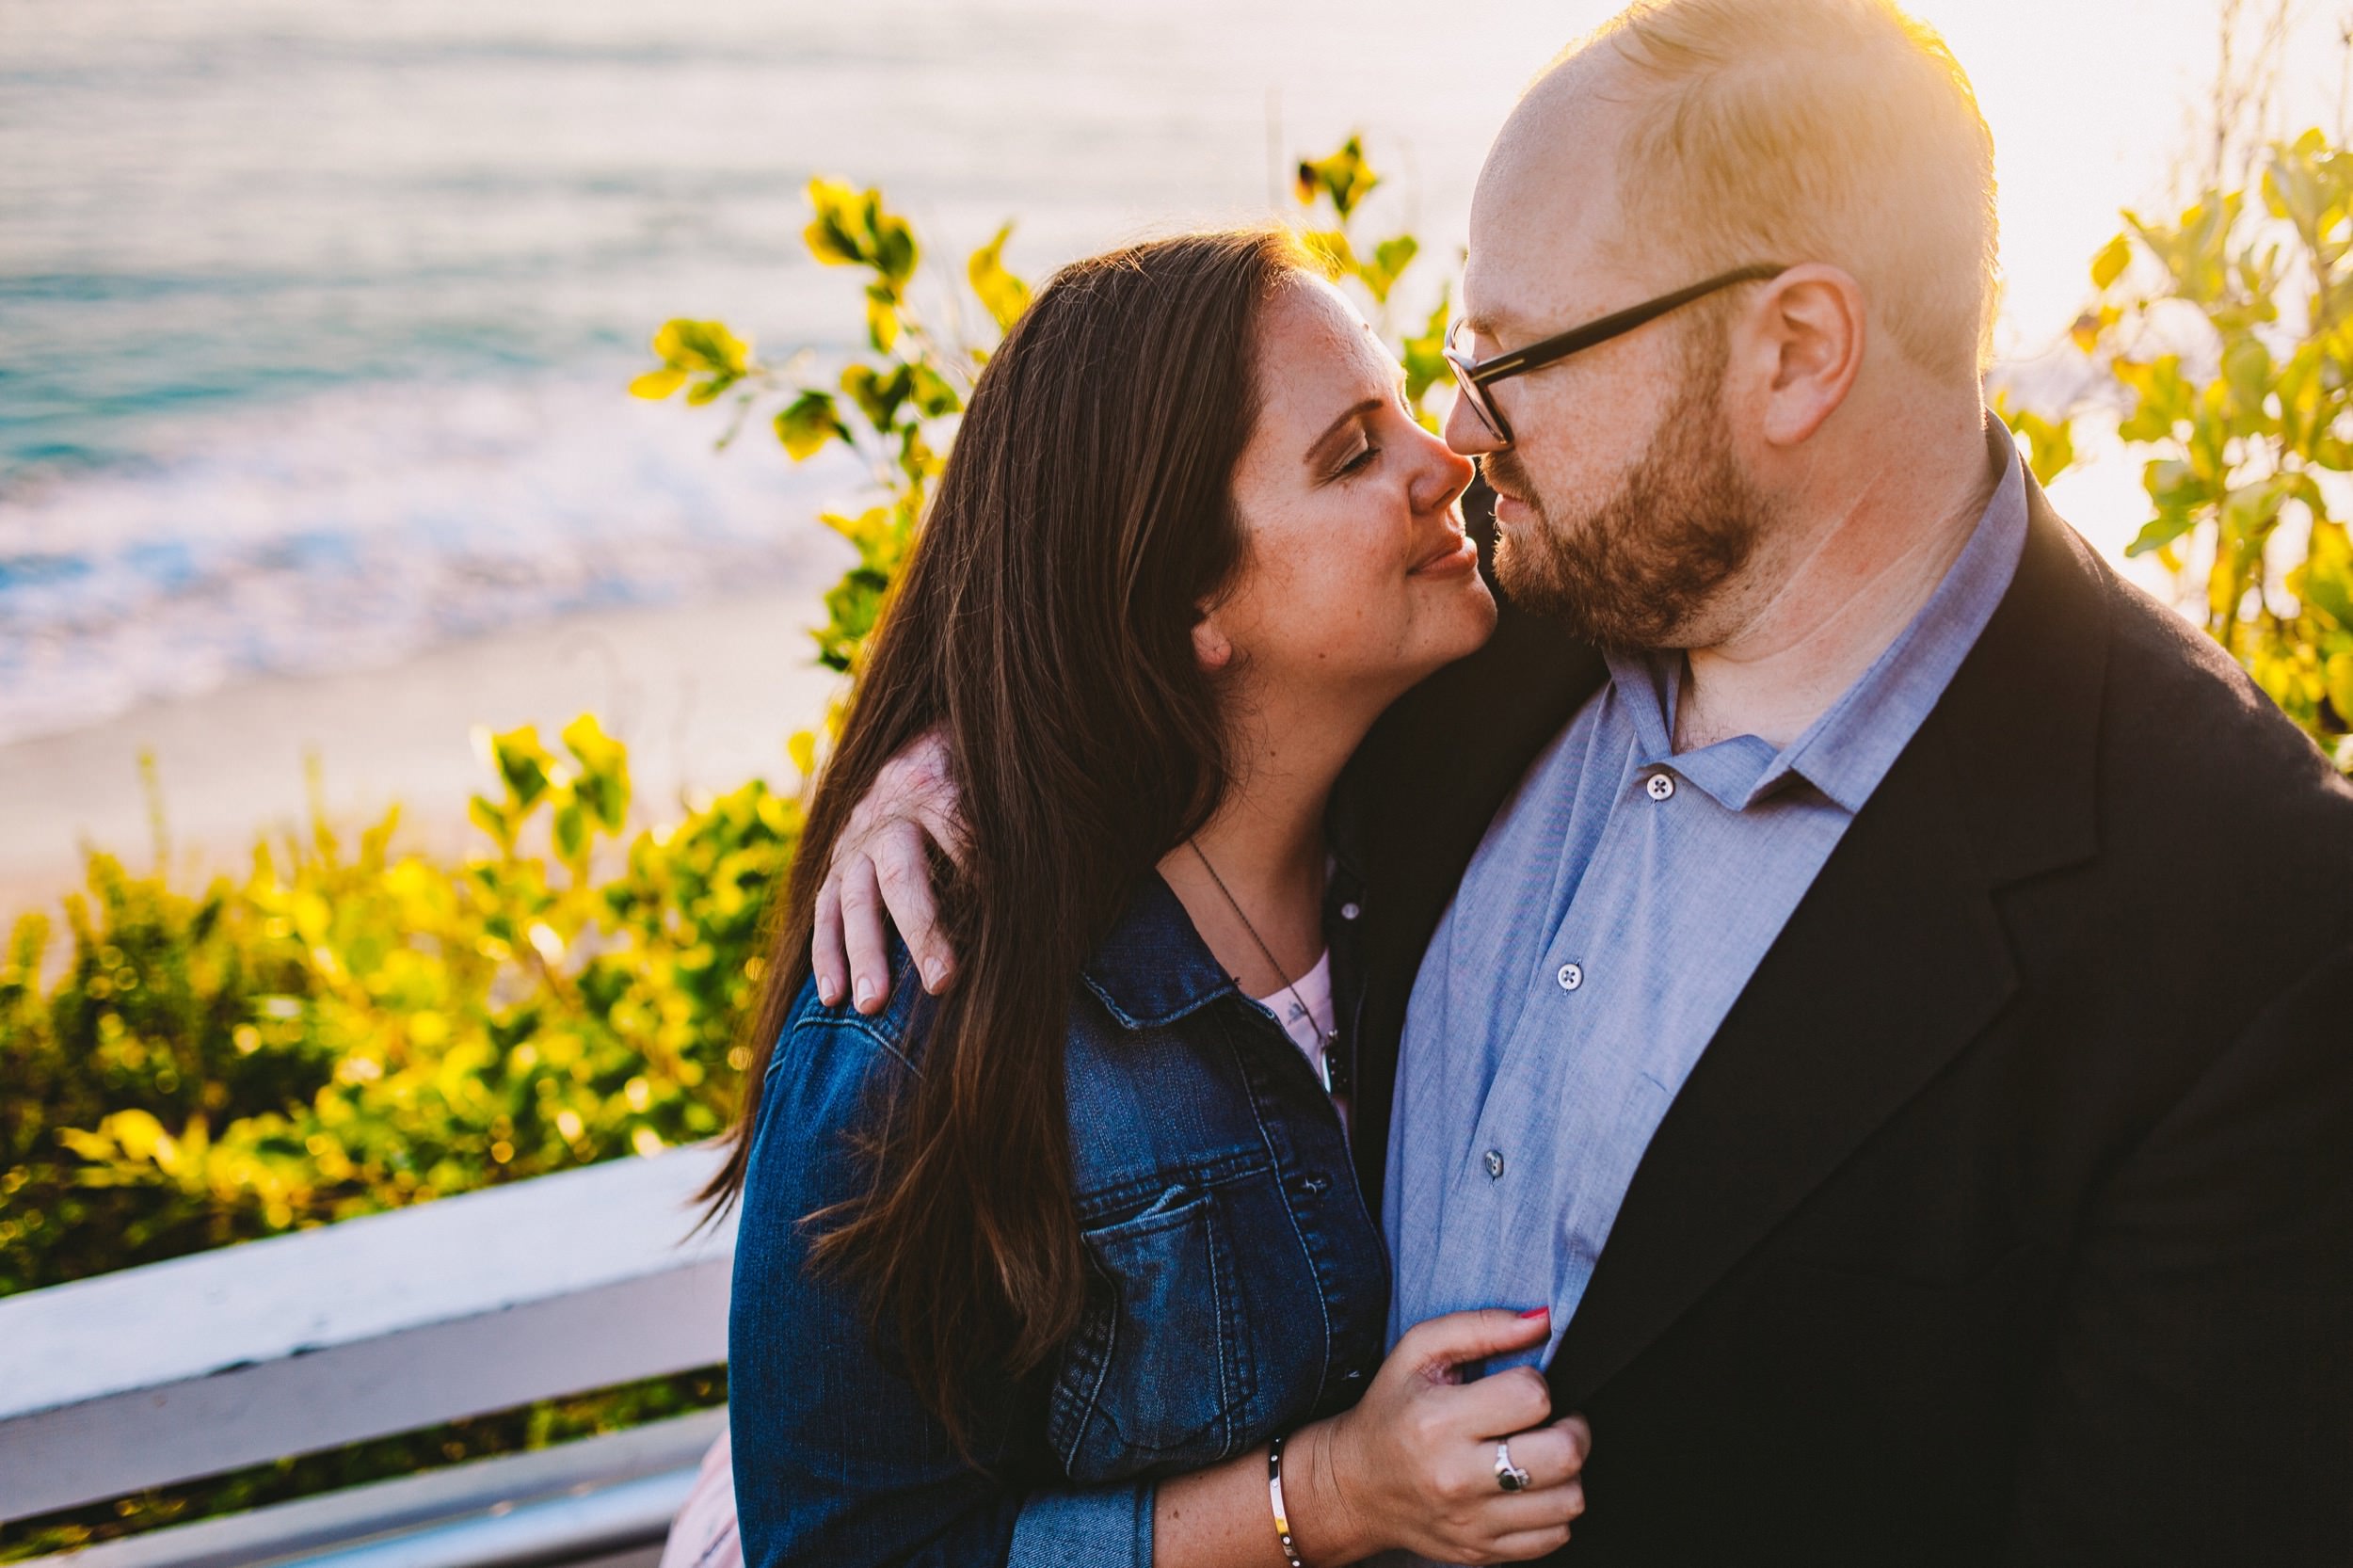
(1614, 912)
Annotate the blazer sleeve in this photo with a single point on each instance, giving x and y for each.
(2199, 1407)
(838, 1463)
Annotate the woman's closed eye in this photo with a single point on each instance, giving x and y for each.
(1362, 457)
(1358, 460)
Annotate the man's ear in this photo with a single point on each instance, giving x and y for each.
(1808, 338)
(1210, 646)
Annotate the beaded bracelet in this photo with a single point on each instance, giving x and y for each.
(1274, 1496)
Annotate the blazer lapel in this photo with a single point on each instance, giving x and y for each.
(1894, 961)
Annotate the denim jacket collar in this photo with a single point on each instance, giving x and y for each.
(1154, 969)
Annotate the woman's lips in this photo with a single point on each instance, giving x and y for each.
(1459, 553)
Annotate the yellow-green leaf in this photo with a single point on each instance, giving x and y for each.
(655, 385)
(486, 815)
(701, 346)
(137, 1134)
(878, 397)
(829, 235)
(931, 393)
(1424, 357)
(806, 423)
(572, 830)
(1342, 177)
(894, 242)
(2339, 675)
(1390, 259)
(522, 763)
(882, 320)
(602, 786)
(2109, 264)
(1001, 293)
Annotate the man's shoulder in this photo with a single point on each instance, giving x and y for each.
(2185, 728)
(2221, 828)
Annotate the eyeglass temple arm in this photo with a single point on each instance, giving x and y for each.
(1545, 351)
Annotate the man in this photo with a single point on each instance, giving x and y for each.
(1886, 982)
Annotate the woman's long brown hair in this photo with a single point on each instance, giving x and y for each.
(1043, 626)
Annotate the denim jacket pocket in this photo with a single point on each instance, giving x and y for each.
(1159, 1374)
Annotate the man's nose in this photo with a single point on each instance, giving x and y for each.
(1466, 432)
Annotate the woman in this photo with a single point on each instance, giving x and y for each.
(1069, 1265)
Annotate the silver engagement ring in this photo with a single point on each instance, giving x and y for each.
(1508, 1475)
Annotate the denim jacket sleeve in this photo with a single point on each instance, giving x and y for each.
(837, 1460)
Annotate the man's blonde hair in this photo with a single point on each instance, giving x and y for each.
(1837, 131)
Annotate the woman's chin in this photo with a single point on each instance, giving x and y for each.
(1463, 625)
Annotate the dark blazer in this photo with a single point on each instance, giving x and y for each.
(2008, 1217)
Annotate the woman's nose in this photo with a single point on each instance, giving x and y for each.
(1444, 473)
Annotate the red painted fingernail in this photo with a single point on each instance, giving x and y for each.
(1537, 1312)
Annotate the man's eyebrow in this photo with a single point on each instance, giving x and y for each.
(1332, 430)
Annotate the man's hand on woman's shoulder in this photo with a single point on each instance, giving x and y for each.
(881, 864)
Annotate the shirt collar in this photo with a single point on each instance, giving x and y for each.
(1848, 749)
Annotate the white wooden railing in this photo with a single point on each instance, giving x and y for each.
(375, 1326)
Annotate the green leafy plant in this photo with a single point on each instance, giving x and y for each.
(1334, 188)
(347, 1032)
(893, 404)
(2224, 341)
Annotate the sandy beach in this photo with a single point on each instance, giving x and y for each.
(704, 695)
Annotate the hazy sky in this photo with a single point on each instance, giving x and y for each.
(2092, 104)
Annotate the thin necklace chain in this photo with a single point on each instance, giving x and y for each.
(1274, 962)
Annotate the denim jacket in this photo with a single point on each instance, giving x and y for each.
(1240, 1288)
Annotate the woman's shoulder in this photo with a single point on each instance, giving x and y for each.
(894, 1032)
(827, 1086)
(831, 1067)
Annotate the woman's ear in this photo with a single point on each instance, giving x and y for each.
(1210, 646)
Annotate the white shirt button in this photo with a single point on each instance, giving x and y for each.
(1571, 976)
(1350, 911)
(1662, 786)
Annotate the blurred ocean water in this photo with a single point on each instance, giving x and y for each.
(314, 318)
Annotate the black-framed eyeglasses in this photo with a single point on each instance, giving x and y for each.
(1474, 377)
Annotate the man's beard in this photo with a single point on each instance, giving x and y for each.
(1637, 571)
